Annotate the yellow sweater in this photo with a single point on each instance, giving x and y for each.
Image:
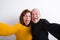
(22, 32)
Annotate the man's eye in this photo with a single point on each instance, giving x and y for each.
(36, 14)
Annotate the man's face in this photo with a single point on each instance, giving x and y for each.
(35, 15)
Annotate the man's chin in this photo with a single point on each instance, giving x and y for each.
(36, 21)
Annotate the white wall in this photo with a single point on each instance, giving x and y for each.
(11, 9)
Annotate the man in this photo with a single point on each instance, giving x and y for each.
(41, 27)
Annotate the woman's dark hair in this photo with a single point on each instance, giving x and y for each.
(23, 14)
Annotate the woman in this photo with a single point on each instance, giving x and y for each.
(22, 29)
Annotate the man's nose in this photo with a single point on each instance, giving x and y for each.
(35, 15)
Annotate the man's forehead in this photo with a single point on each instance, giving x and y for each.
(35, 10)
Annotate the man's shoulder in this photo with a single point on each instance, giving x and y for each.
(43, 19)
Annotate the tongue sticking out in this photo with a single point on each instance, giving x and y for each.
(27, 20)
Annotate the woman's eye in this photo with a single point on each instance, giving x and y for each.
(29, 16)
(25, 15)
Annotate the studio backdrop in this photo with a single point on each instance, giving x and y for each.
(10, 11)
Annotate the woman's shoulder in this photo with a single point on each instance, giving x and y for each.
(18, 24)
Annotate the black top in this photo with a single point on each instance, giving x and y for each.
(40, 30)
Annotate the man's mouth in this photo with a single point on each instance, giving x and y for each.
(35, 18)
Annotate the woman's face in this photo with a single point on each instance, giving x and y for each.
(27, 18)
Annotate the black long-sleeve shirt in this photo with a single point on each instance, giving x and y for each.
(40, 30)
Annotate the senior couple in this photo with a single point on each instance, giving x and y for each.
(31, 27)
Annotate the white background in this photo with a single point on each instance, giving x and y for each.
(11, 9)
